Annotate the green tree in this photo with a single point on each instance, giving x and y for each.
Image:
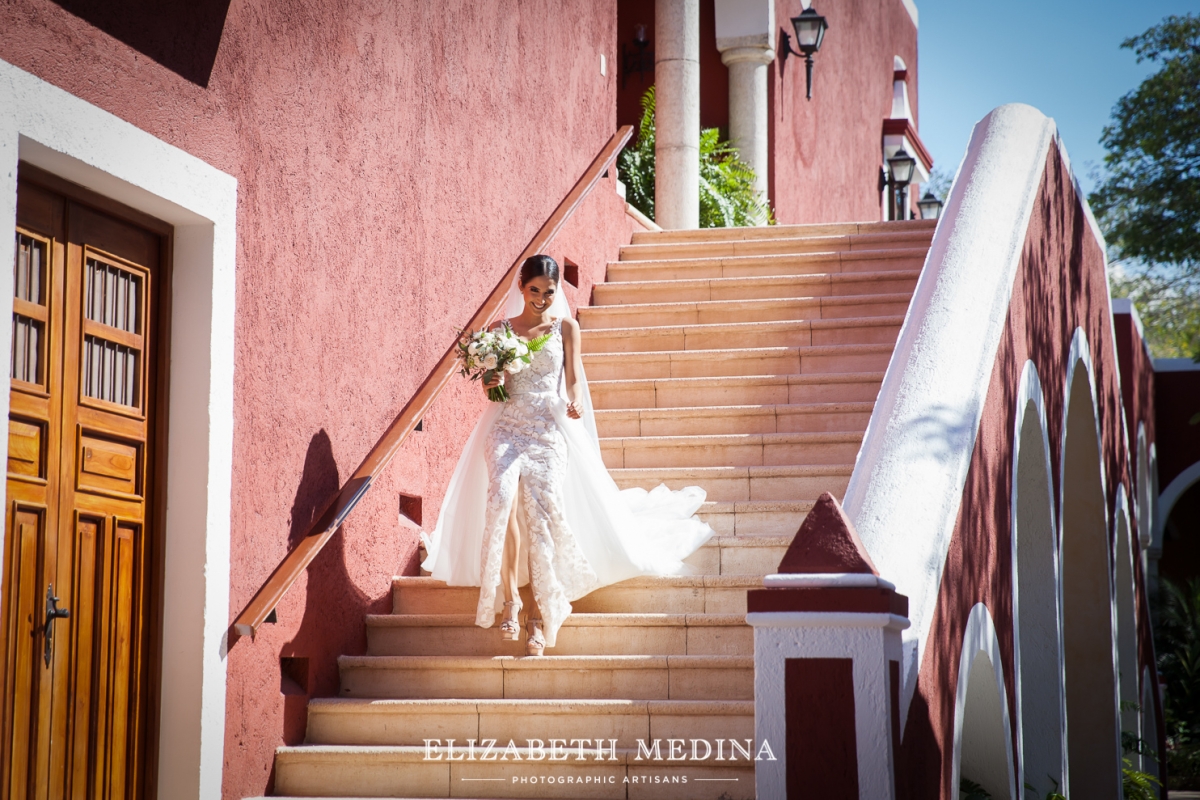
(1148, 202)
(727, 195)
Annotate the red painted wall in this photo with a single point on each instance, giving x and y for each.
(392, 158)
(1177, 396)
(1060, 285)
(827, 152)
(1137, 383)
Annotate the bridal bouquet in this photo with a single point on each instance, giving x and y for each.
(485, 353)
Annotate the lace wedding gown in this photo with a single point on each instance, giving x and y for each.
(527, 456)
(582, 532)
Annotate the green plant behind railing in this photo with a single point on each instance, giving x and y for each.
(728, 198)
(1177, 641)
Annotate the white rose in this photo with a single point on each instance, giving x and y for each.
(509, 343)
(490, 361)
(514, 367)
(522, 350)
(473, 348)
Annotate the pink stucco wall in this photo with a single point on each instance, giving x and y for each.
(392, 159)
(826, 152)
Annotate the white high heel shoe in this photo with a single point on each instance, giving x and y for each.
(536, 642)
(510, 627)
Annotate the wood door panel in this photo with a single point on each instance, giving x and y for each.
(24, 559)
(25, 439)
(122, 241)
(80, 457)
(113, 652)
(108, 466)
(88, 554)
(40, 208)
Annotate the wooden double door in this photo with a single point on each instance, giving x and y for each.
(79, 608)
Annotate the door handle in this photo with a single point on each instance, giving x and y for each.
(53, 612)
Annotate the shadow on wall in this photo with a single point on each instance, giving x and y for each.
(333, 607)
(181, 35)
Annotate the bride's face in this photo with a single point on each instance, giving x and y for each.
(539, 293)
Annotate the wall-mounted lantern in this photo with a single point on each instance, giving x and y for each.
(900, 172)
(810, 30)
(640, 59)
(931, 207)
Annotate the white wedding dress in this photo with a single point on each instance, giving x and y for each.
(581, 531)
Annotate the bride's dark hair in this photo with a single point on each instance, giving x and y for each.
(537, 267)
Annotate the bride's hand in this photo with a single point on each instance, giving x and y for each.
(496, 379)
(573, 410)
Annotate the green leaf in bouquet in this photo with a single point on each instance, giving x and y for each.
(537, 344)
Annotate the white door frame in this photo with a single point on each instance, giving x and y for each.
(58, 132)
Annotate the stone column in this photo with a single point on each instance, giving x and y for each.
(677, 113)
(748, 112)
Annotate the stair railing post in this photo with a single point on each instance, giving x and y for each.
(827, 656)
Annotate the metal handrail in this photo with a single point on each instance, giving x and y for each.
(340, 505)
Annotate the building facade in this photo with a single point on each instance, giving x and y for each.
(245, 232)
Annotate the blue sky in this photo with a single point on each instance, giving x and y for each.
(1061, 56)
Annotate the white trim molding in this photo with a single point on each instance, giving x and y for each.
(56, 131)
(1176, 365)
(907, 484)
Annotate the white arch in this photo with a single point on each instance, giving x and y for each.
(1150, 725)
(1081, 698)
(1040, 730)
(1080, 352)
(1143, 494)
(983, 690)
(1170, 496)
(1125, 649)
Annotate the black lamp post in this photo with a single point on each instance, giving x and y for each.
(810, 30)
(931, 207)
(640, 59)
(900, 172)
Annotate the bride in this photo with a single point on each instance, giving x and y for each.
(531, 482)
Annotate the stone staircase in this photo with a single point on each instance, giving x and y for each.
(746, 361)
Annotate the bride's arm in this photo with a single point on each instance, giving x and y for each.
(574, 366)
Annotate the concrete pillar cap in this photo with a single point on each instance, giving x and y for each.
(827, 543)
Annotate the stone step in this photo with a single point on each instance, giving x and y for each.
(754, 518)
(382, 771)
(721, 312)
(784, 231)
(677, 266)
(823, 360)
(581, 634)
(870, 242)
(353, 721)
(730, 450)
(744, 483)
(820, 284)
(667, 594)
(674, 393)
(745, 335)
(549, 677)
(785, 418)
(755, 555)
